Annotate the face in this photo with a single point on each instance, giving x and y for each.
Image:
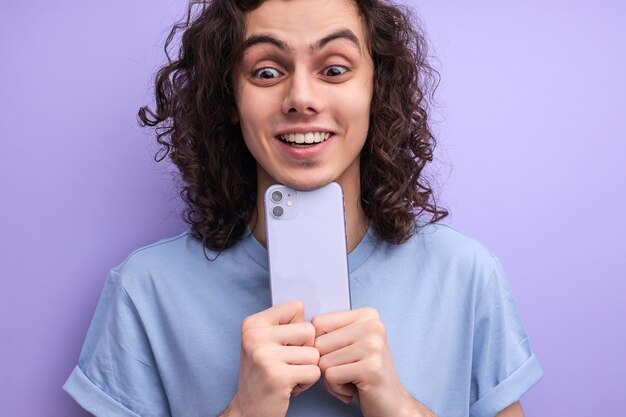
(303, 91)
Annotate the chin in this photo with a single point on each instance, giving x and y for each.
(305, 184)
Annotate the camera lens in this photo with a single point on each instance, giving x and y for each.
(278, 211)
(277, 196)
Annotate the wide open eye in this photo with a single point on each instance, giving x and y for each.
(335, 70)
(266, 73)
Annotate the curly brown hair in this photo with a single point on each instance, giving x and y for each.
(195, 105)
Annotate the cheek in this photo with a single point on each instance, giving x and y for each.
(254, 108)
(244, 100)
(250, 139)
(360, 114)
(249, 120)
(358, 102)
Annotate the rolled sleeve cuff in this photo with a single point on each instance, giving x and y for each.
(92, 398)
(508, 391)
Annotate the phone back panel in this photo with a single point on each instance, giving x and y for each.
(307, 248)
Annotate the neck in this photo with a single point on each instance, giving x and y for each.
(356, 220)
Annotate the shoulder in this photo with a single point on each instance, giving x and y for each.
(447, 249)
(443, 240)
(439, 252)
(436, 242)
(166, 253)
(182, 263)
(154, 265)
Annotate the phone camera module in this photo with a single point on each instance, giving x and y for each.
(278, 211)
(277, 196)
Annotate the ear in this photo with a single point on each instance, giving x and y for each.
(234, 116)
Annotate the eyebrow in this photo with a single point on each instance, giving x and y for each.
(265, 39)
(283, 46)
(340, 34)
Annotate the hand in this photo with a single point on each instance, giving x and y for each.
(278, 360)
(356, 361)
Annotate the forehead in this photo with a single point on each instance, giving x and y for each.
(303, 22)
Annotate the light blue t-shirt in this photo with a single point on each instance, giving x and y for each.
(165, 337)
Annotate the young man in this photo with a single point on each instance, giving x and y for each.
(302, 92)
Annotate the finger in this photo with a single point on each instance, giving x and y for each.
(297, 390)
(340, 357)
(347, 390)
(336, 340)
(370, 333)
(300, 388)
(343, 392)
(296, 355)
(329, 322)
(292, 312)
(293, 334)
(351, 373)
(275, 358)
(304, 376)
(338, 384)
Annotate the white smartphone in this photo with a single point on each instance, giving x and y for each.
(307, 248)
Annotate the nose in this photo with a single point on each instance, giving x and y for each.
(302, 96)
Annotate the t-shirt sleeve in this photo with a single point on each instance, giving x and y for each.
(503, 366)
(117, 373)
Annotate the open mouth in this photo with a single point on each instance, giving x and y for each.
(304, 139)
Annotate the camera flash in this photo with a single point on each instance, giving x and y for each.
(289, 203)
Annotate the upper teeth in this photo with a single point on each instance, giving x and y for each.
(309, 137)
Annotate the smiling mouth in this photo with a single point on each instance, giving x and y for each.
(304, 139)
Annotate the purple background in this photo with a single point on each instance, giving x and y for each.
(531, 123)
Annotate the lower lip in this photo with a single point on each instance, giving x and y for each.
(305, 152)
